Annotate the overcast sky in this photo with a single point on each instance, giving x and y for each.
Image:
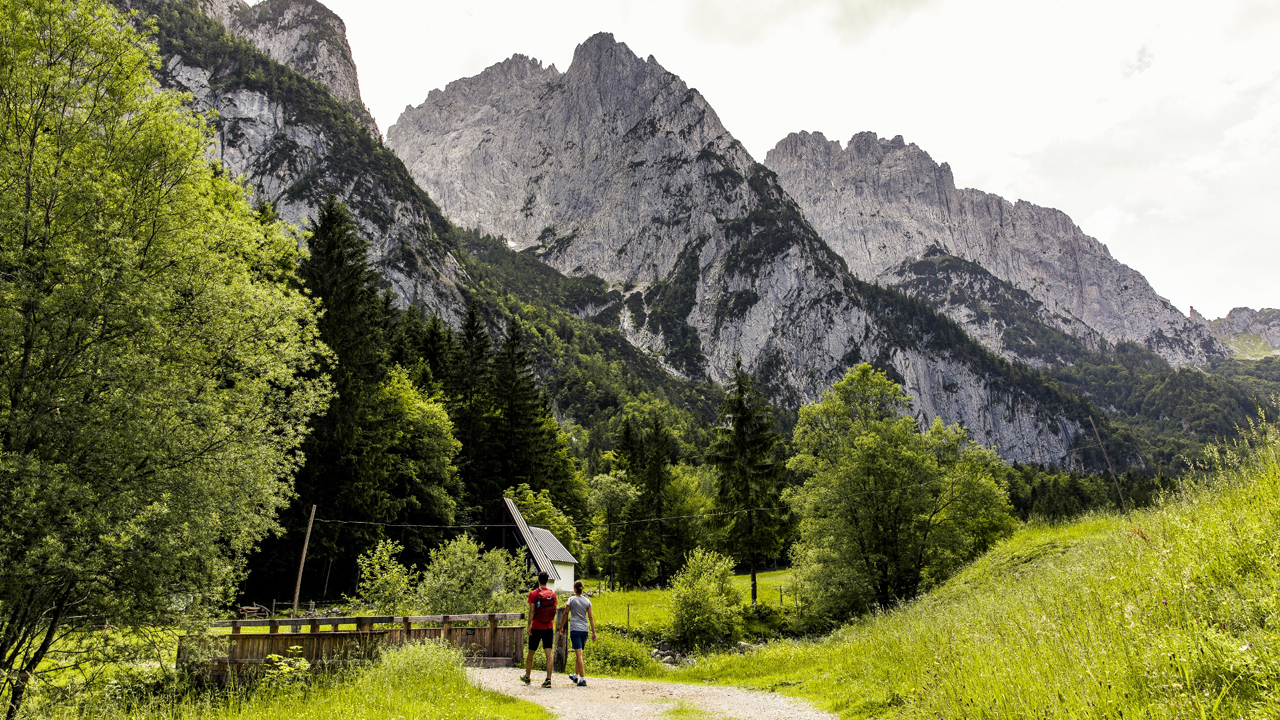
(1155, 124)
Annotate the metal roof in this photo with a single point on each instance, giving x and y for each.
(540, 559)
(554, 550)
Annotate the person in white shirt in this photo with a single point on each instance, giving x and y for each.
(580, 618)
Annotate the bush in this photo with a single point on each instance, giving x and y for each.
(704, 604)
(459, 579)
(611, 653)
(763, 621)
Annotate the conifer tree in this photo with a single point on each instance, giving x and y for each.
(470, 402)
(749, 476)
(645, 456)
(345, 474)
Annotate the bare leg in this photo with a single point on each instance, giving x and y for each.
(582, 670)
(550, 661)
(528, 663)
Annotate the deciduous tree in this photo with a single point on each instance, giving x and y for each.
(157, 362)
(887, 510)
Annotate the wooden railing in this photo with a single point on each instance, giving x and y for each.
(323, 640)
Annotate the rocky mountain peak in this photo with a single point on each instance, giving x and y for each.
(304, 35)
(881, 202)
(618, 169)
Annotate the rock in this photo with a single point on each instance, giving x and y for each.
(304, 35)
(1248, 332)
(294, 164)
(664, 646)
(668, 660)
(616, 168)
(880, 203)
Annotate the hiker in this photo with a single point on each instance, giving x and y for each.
(580, 617)
(542, 617)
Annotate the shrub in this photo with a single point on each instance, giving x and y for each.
(763, 621)
(704, 604)
(460, 578)
(612, 653)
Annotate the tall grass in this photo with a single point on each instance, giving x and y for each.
(1171, 613)
(419, 681)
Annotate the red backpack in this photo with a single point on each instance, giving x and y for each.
(544, 607)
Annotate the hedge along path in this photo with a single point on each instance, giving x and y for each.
(614, 699)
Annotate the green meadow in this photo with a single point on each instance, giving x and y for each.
(1169, 613)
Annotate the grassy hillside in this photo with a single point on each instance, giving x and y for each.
(1170, 613)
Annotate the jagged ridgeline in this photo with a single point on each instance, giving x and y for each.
(295, 143)
(615, 168)
(889, 210)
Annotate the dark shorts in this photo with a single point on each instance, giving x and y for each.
(578, 638)
(546, 637)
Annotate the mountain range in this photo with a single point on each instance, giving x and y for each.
(820, 257)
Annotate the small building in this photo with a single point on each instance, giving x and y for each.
(544, 553)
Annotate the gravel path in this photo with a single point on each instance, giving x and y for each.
(610, 699)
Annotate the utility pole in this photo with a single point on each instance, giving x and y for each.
(297, 587)
(1114, 479)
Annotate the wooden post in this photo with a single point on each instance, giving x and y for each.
(444, 632)
(315, 626)
(491, 647)
(235, 629)
(407, 627)
(297, 587)
(275, 627)
(561, 656)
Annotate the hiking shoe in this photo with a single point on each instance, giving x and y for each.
(524, 679)
(582, 682)
(546, 683)
(573, 678)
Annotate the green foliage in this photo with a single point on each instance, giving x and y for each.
(460, 578)
(885, 509)
(157, 364)
(383, 453)
(385, 584)
(610, 498)
(704, 603)
(407, 682)
(1171, 414)
(539, 511)
(1168, 614)
(749, 475)
(592, 375)
(611, 653)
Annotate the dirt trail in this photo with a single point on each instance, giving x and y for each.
(610, 699)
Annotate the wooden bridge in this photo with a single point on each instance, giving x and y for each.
(325, 640)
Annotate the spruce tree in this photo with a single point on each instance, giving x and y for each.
(470, 402)
(345, 474)
(750, 477)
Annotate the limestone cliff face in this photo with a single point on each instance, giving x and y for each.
(616, 168)
(303, 35)
(880, 203)
(1249, 332)
(295, 147)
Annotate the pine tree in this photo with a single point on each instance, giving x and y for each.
(750, 485)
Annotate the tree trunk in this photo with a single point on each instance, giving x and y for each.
(753, 579)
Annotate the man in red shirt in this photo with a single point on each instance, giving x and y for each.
(542, 615)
